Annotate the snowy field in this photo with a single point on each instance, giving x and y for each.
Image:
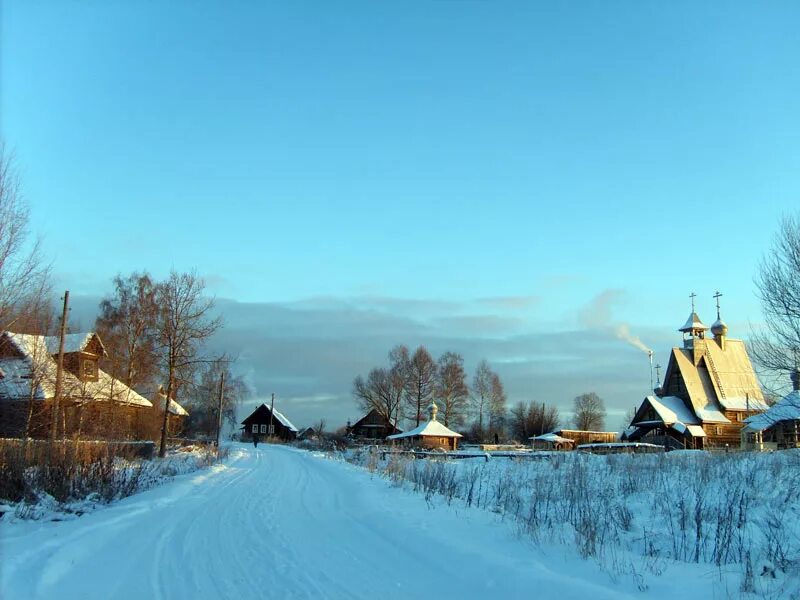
(278, 522)
(734, 516)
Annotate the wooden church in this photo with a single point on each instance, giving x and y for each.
(709, 389)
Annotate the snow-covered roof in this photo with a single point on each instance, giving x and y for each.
(672, 409)
(786, 409)
(37, 367)
(696, 430)
(743, 403)
(432, 429)
(284, 421)
(73, 342)
(552, 437)
(693, 322)
(174, 407)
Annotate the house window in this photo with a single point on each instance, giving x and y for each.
(89, 368)
(272, 429)
(255, 428)
(263, 429)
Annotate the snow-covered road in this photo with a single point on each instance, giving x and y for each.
(283, 523)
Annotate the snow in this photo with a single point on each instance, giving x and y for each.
(282, 523)
(277, 522)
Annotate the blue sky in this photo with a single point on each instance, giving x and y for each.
(502, 166)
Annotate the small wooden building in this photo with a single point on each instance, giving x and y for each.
(429, 436)
(266, 423)
(779, 427)
(551, 441)
(372, 426)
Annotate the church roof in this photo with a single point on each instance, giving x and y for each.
(722, 379)
(692, 323)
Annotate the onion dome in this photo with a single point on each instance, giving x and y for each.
(719, 328)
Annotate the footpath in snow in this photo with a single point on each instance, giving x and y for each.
(276, 522)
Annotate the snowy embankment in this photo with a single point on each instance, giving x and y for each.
(736, 515)
(277, 522)
(32, 487)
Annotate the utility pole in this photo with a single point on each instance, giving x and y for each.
(271, 416)
(59, 369)
(219, 407)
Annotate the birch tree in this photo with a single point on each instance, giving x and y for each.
(23, 276)
(451, 388)
(420, 383)
(184, 322)
(127, 326)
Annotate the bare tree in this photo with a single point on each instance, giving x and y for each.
(590, 412)
(184, 321)
(204, 404)
(531, 419)
(481, 389)
(23, 277)
(127, 326)
(382, 390)
(420, 382)
(451, 388)
(497, 406)
(776, 349)
(319, 428)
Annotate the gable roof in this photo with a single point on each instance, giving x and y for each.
(670, 409)
(74, 342)
(786, 409)
(35, 366)
(374, 414)
(722, 379)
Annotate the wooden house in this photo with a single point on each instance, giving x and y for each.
(372, 426)
(307, 433)
(429, 436)
(578, 437)
(709, 390)
(777, 428)
(265, 423)
(93, 404)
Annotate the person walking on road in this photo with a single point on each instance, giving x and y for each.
(255, 440)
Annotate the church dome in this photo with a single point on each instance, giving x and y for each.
(719, 328)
